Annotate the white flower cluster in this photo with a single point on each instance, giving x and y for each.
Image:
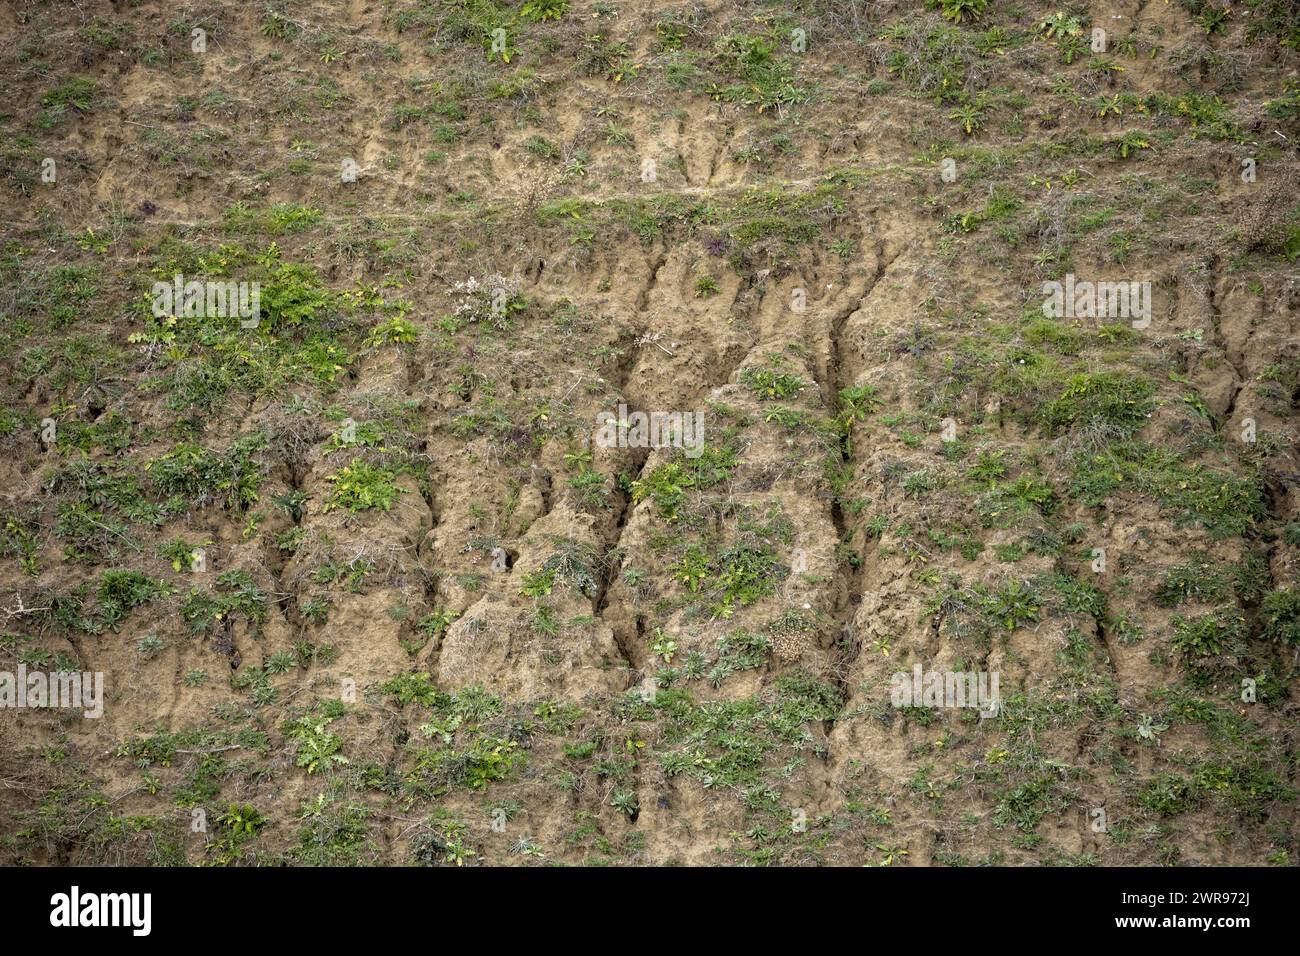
(485, 299)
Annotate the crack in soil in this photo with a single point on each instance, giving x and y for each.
(848, 579)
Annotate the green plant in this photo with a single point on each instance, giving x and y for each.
(361, 486)
(235, 594)
(417, 687)
(1210, 635)
(538, 583)
(1279, 616)
(591, 489)
(195, 473)
(1013, 605)
(436, 623)
(79, 93)
(121, 591)
(959, 10)
(1149, 730)
(542, 148)
(277, 26)
(990, 466)
(706, 286)
(21, 540)
(315, 610)
(318, 748)
(571, 564)
(1131, 143)
(242, 818)
(663, 646)
(280, 662)
(858, 401)
(150, 646)
(487, 759)
(1214, 19)
(396, 331)
(543, 9)
(627, 802)
(763, 79)
(1197, 580)
(1118, 401)
(1071, 47)
(456, 852)
(182, 555)
(1168, 794)
(692, 569)
(744, 574)
(770, 384)
(1060, 25)
(667, 485)
(969, 116)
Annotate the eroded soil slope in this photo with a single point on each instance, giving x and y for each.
(362, 584)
